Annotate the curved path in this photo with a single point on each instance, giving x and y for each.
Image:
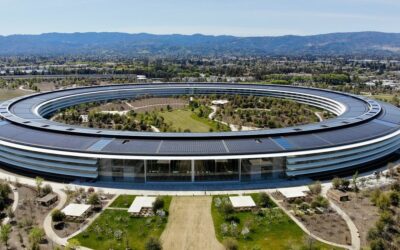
(305, 229)
(190, 225)
(355, 235)
(47, 224)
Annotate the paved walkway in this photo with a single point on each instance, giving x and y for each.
(190, 225)
(355, 235)
(305, 229)
(47, 224)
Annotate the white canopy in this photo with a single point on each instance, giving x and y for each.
(242, 201)
(75, 210)
(294, 192)
(141, 202)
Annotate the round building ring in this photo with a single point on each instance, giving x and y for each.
(363, 131)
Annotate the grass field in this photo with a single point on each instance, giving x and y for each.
(116, 229)
(271, 229)
(6, 94)
(384, 97)
(123, 201)
(186, 120)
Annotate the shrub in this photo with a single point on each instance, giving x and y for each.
(383, 202)
(265, 200)
(73, 244)
(386, 218)
(94, 199)
(231, 244)
(47, 189)
(36, 235)
(304, 206)
(315, 188)
(394, 198)
(321, 201)
(375, 194)
(336, 182)
(396, 186)
(57, 215)
(153, 244)
(377, 244)
(227, 208)
(345, 184)
(158, 204)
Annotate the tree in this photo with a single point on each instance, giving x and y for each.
(153, 244)
(94, 199)
(57, 215)
(5, 190)
(5, 231)
(377, 244)
(35, 237)
(265, 200)
(39, 183)
(158, 204)
(354, 182)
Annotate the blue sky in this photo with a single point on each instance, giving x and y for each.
(214, 17)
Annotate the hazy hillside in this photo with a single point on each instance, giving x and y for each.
(122, 44)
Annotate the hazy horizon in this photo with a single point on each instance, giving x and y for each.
(170, 34)
(223, 17)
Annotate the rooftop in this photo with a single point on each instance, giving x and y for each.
(294, 192)
(75, 210)
(141, 202)
(242, 201)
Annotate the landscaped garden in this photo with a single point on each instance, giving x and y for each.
(117, 229)
(199, 113)
(123, 201)
(264, 227)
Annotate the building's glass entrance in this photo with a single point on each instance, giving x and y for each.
(192, 170)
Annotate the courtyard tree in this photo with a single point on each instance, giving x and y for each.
(355, 182)
(57, 215)
(36, 235)
(153, 244)
(39, 183)
(158, 204)
(5, 231)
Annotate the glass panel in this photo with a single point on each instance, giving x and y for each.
(262, 168)
(217, 170)
(165, 170)
(121, 170)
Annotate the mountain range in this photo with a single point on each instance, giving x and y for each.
(143, 44)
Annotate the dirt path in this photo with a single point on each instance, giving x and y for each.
(190, 225)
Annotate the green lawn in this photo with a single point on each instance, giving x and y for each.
(187, 120)
(116, 229)
(123, 201)
(384, 97)
(270, 229)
